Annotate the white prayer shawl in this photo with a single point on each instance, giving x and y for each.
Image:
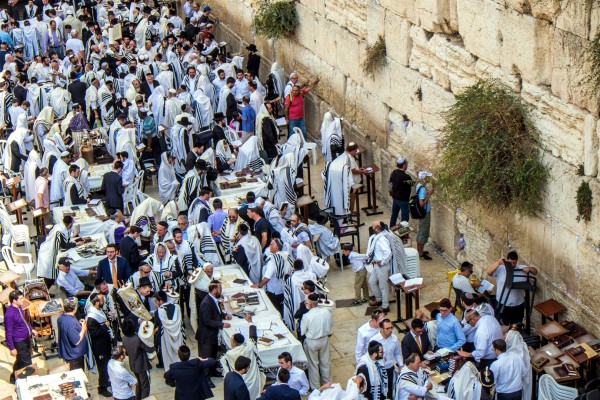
(146, 214)
(46, 260)
(113, 131)
(196, 208)
(68, 183)
(201, 237)
(465, 384)
(273, 215)
(222, 106)
(228, 234)
(223, 151)
(337, 178)
(169, 264)
(167, 180)
(282, 178)
(209, 157)
(190, 83)
(278, 79)
(331, 136)
(171, 336)
(166, 79)
(254, 378)
(264, 113)
(516, 345)
(208, 89)
(18, 136)
(59, 174)
(157, 104)
(248, 156)
(190, 187)
(126, 141)
(304, 254)
(177, 69)
(5, 103)
(107, 112)
(100, 317)
(172, 109)
(50, 149)
(32, 44)
(35, 98)
(295, 144)
(253, 251)
(203, 107)
(377, 380)
(179, 135)
(293, 295)
(170, 212)
(91, 96)
(108, 228)
(59, 100)
(33, 162)
(140, 32)
(192, 119)
(328, 244)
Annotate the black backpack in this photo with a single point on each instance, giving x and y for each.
(414, 205)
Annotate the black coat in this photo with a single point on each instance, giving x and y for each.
(145, 89)
(235, 387)
(130, 252)
(409, 345)
(210, 321)
(218, 134)
(20, 93)
(112, 186)
(253, 64)
(99, 337)
(189, 379)
(136, 351)
(77, 90)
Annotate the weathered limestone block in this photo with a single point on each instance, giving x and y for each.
(570, 69)
(575, 17)
(350, 14)
(485, 70)
(545, 9)
(587, 296)
(522, 6)
(350, 52)
(479, 26)
(560, 124)
(435, 15)
(443, 227)
(590, 146)
(375, 22)
(370, 120)
(314, 5)
(434, 103)
(413, 141)
(404, 8)
(405, 83)
(326, 35)
(306, 32)
(594, 20)
(398, 42)
(565, 261)
(525, 46)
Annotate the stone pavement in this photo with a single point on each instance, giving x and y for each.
(346, 320)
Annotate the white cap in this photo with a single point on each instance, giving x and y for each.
(64, 154)
(206, 264)
(400, 160)
(69, 12)
(173, 91)
(424, 174)
(260, 201)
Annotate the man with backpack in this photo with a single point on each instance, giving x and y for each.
(400, 185)
(423, 191)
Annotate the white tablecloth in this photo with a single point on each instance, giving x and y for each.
(259, 188)
(49, 383)
(82, 260)
(229, 201)
(87, 225)
(266, 319)
(96, 173)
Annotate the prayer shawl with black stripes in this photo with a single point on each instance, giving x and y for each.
(57, 239)
(201, 236)
(107, 105)
(254, 377)
(172, 332)
(293, 295)
(190, 187)
(187, 256)
(337, 178)
(281, 181)
(6, 99)
(375, 375)
(228, 234)
(67, 184)
(169, 263)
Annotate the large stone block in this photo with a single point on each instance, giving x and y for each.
(406, 83)
(375, 22)
(435, 101)
(350, 51)
(398, 42)
(350, 14)
(365, 111)
(306, 32)
(545, 9)
(405, 8)
(525, 47)
(436, 16)
(418, 145)
(575, 16)
(570, 71)
(560, 124)
(590, 146)
(479, 26)
(485, 70)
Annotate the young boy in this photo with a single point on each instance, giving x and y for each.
(360, 274)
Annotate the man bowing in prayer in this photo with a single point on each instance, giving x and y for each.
(254, 378)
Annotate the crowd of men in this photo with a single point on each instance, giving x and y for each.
(156, 87)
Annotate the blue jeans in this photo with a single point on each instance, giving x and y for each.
(399, 206)
(296, 123)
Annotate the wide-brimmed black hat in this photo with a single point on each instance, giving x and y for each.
(145, 281)
(184, 121)
(252, 47)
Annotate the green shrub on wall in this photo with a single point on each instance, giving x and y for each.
(584, 200)
(593, 56)
(275, 19)
(490, 151)
(376, 57)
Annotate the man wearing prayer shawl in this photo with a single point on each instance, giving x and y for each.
(278, 265)
(72, 188)
(193, 182)
(108, 101)
(167, 265)
(254, 378)
(166, 78)
(92, 102)
(30, 172)
(328, 244)
(14, 154)
(6, 98)
(247, 252)
(293, 294)
(228, 233)
(180, 143)
(59, 174)
(373, 372)
(58, 240)
(170, 333)
(172, 108)
(167, 180)
(191, 80)
(337, 178)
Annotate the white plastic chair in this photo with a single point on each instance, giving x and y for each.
(551, 390)
(130, 196)
(10, 258)
(12, 233)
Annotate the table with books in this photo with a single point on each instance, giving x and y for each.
(61, 385)
(239, 185)
(96, 174)
(88, 217)
(89, 254)
(240, 298)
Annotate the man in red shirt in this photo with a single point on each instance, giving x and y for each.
(294, 108)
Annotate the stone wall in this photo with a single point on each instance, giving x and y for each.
(437, 48)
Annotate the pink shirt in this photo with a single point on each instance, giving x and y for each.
(296, 104)
(41, 187)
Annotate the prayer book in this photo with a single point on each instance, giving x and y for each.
(397, 279)
(280, 121)
(486, 286)
(94, 202)
(413, 282)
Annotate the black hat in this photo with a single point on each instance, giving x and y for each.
(184, 121)
(218, 116)
(147, 10)
(144, 281)
(201, 164)
(64, 261)
(252, 47)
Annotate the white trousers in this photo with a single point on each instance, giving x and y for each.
(317, 353)
(378, 284)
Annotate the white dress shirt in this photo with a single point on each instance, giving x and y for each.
(70, 281)
(128, 171)
(516, 297)
(121, 380)
(462, 283)
(363, 337)
(275, 285)
(509, 371)
(317, 323)
(487, 330)
(391, 350)
(298, 381)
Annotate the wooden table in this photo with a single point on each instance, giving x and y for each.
(551, 330)
(12, 183)
(302, 204)
(549, 310)
(371, 208)
(359, 160)
(409, 293)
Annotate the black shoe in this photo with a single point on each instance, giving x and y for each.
(356, 303)
(426, 257)
(425, 252)
(211, 384)
(104, 393)
(159, 365)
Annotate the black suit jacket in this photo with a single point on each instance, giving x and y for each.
(280, 392)
(77, 90)
(136, 351)
(20, 93)
(112, 186)
(235, 387)
(104, 270)
(210, 321)
(409, 345)
(189, 379)
(145, 89)
(130, 252)
(99, 337)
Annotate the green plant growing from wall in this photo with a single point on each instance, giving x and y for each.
(490, 151)
(593, 56)
(584, 200)
(275, 19)
(376, 57)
